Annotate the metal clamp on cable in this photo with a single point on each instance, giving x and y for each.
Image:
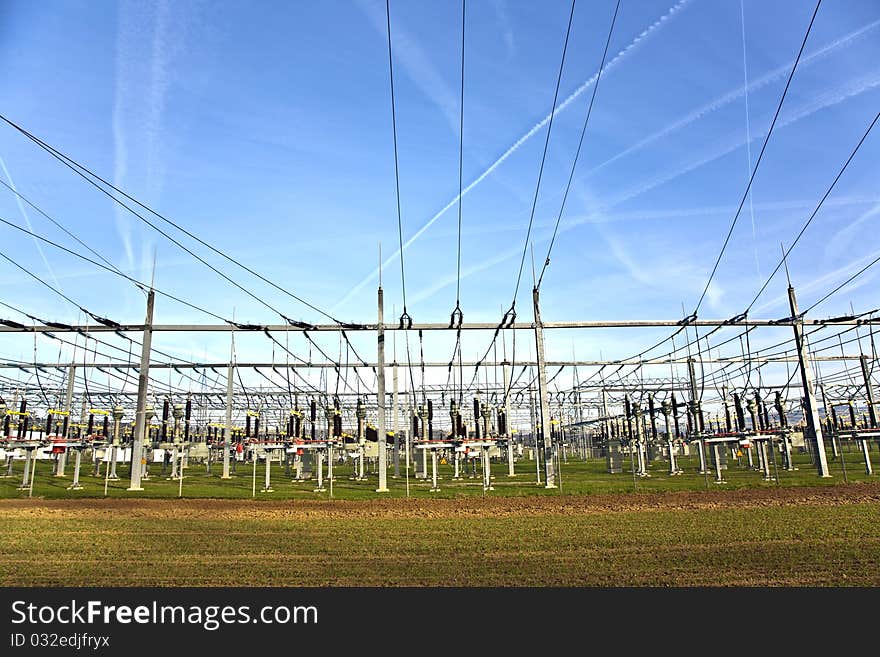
(405, 320)
(690, 319)
(456, 318)
(842, 318)
(787, 320)
(102, 320)
(12, 324)
(737, 318)
(509, 317)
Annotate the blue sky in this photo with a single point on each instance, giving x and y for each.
(265, 128)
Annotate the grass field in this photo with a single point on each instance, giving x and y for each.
(789, 536)
(577, 477)
(683, 531)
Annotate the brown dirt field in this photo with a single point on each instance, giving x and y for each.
(442, 508)
(817, 536)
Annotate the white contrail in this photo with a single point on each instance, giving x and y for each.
(842, 238)
(27, 220)
(120, 150)
(828, 99)
(828, 279)
(516, 145)
(733, 95)
(129, 107)
(742, 13)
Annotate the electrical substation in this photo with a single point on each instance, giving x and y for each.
(702, 403)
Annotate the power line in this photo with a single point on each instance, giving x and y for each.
(84, 172)
(758, 161)
(816, 211)
(580, 144)
(114, 270)
(510, 316)
(543, 157)
(88, 175)
(845, 283)
(405, 319)
(460, 162)
(95, 253)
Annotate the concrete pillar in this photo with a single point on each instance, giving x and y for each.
(319, 461)
(869, 391)
(143, 382)
(25, 480)
(505, 368)
(380, 398)
(544, 394)
(814, 426)
(434, 486)
(666, 409)
(227, 427)
(267, 488)
(68, 404)
(765, 458)
(534, 420)
(718, 478)
(487, 470)
(76, 468)
(867, 456)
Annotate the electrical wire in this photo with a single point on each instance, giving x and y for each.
(758, 161)
(543, 157)
(580, 144)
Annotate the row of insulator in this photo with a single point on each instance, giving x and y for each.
(166, 409)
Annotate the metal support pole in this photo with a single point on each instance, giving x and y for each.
(319, 461)
(394, 419)
(330, 466)
(666, 409)
(544, 394)
(637, 415)
(765, 458)
(227, 428)
(814, 426)
(140, 434)
(380, 395)
(434, 486)
(27, 469)
(68, 403)
(487, 470)
(869, 391)
(869, 470)
(76, 467)
(829, 417)
(718, 478)
(534, 420)
(267, 488)
(508, 429)
(695, 413)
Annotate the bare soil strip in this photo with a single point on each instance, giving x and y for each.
(442, 508)
(817, 536)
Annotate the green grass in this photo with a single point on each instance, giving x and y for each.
(577, 477)
(805, 544)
